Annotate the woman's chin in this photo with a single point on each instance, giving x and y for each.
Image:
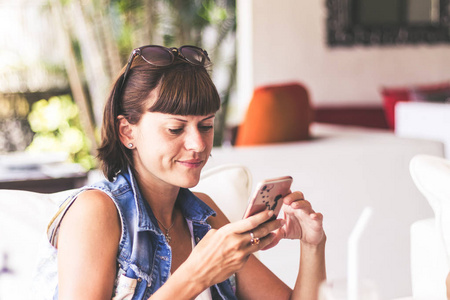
(189, 181)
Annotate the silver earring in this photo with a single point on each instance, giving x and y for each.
(130, 145)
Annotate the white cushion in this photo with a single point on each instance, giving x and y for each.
(229, 186)
(23, 219)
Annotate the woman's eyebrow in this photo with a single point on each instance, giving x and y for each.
(183, 120)
(209, 117)
(177, 119)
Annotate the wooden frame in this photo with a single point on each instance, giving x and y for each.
(342, 30)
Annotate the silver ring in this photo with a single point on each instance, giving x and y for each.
(253, 240)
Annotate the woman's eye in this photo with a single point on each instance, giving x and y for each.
(206, 128)
(176, 130)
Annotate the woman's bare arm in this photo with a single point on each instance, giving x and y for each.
(88, 241)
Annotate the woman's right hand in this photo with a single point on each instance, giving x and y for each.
(223, 252)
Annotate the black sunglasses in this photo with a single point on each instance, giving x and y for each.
(161, 56)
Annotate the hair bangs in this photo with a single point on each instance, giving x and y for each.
(187, 90)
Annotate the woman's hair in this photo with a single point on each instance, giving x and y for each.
(184, 89)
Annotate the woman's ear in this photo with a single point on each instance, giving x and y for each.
(125, 132)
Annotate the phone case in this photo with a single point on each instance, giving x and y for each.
(268, 195)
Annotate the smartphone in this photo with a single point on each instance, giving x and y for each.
(268, 196)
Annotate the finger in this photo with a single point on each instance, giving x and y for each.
(302, 204)
(266, 234)
(278, 235)
(295, 196)
(268, 227)
(272, 239)
(249, 223)
(262, 243)
(317, 217)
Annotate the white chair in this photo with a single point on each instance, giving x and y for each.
(430, 238)
(25, 215)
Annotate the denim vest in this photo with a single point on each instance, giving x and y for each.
(144, 256)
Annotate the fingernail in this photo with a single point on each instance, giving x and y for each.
(270, 213)
(282, 222)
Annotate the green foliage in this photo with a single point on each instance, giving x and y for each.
(57, 127)
(213, 13)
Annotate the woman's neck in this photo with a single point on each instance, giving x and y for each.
(161, 197)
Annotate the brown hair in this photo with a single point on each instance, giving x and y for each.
(185, 89)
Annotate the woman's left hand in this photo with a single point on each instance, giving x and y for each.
(302, 222)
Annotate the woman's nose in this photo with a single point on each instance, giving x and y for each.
(195, 141)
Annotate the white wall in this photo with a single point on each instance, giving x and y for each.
(289, 43)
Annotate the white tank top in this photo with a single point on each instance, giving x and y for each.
(206, 294)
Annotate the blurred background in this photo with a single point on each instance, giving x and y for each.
(58, 59)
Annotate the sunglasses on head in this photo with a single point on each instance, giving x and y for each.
(161, 56)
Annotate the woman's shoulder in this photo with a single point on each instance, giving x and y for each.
(95, 205)
(94, 198)
(93, 212)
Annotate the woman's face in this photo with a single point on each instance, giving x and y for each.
(172, 149)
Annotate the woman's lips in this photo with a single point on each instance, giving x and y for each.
(191, 163)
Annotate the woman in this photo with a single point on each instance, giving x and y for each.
(133, 235)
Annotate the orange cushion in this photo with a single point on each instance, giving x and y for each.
(276, 114)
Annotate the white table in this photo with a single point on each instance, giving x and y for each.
(424, 120)
(342, 170)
